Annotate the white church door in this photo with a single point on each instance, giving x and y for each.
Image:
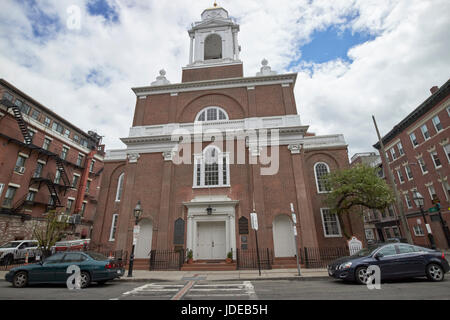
(144, 241)
(211, 240)
(283, 237)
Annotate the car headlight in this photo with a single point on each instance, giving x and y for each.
(345, 265)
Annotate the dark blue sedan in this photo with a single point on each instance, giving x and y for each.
(94, 267)
(395, 260)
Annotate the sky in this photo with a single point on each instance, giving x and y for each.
(354, 58)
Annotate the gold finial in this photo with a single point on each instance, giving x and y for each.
(215, 3)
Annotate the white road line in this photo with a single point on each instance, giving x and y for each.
(250, 290)
(136, 290)
(220, 295)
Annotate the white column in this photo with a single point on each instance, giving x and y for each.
(190, 235)
(227, 234)
(236, 45)
(191, 49)
(232, 225)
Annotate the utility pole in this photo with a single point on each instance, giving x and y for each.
(400, 207)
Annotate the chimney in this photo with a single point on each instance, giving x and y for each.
(434, 89)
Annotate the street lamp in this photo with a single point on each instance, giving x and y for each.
(137, 214)
(418, 199)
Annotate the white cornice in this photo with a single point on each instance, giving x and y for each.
(217, 84)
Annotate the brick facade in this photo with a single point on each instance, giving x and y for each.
(84, 161)
(433, 180)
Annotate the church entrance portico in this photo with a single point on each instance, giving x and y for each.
(211, 236)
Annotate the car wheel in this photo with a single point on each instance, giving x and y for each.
(435, 272)
(20, 279)
(85, 280)
(361, 275)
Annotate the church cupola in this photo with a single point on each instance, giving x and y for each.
(214, 39)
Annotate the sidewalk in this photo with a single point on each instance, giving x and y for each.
(276, 274)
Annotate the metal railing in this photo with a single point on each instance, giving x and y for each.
(248, 259)
(321, 257)
(167, 259)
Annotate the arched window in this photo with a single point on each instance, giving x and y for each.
(213, 47)
(321, 169)
(120, 187)
(211, 168)
(212, 114)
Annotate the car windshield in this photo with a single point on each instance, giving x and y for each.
(365, 251)
(11, 244)
(97, 256)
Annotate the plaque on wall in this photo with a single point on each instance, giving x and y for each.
(243, 225)
(178, 233)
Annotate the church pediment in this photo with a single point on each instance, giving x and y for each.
(213, 24)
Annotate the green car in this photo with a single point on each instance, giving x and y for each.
(94, 267)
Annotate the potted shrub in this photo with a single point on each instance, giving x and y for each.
(190, 255)
(229, 257)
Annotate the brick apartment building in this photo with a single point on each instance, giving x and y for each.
(379, 226)
(205, 205)
(418, 151)
(46, 163)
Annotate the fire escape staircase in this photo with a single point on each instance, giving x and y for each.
(18, 116)
(63, 171)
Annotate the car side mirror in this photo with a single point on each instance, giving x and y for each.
(378, 255)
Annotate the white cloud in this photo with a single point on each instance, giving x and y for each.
(388, 77)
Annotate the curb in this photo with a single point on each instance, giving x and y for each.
(296, 278)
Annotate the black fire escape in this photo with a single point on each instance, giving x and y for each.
(54, 187)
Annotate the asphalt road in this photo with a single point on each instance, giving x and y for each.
(234, 290)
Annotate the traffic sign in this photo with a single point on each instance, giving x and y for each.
(433, 209)
(254, 220)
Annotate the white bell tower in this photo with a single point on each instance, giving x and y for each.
(214, 39)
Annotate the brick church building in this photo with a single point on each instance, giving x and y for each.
(215, 121)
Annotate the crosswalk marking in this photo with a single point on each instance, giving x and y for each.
(192, 289)
(242, 289)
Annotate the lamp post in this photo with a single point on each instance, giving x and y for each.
(137, 214)
(418, 199)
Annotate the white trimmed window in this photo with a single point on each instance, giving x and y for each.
(69, 206)
(418, 231)
(321, 169)
(425, 132)
(408, 172)
(400, 149)
(436, 161)
(400, 176)
(211, 168)
(445, 187)
(212, 114)
(120, 187)
(413, 138)
(330, 223)
(437, 124)
(112, 234)
(447, 151)
(408, 201)
(75, 180)
(394, 155)
(423, 166)
(432, 192)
